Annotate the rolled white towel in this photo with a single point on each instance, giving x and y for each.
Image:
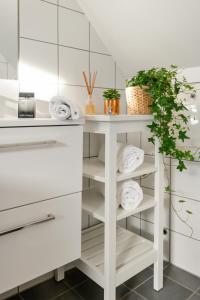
(129, 194)
(129, 157)
(62, 109)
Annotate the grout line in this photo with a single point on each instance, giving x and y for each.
(195, 293)
(64, 46)
(191, 296)
(68, 8)
(137, 286)
(175, 194)
(131, 292)
(140, 295)
(76, 285)
(179, 283)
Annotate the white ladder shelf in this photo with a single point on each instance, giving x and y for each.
(111, 254)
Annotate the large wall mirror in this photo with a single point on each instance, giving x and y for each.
(8, 39)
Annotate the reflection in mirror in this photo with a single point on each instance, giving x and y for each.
(8, 39)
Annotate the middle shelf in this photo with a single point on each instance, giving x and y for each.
(93, 203)
(93, 168)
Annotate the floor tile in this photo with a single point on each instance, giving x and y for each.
(74, 277)
(139, 278)
(195, 297)
(15, 298)
(183, 277)
(90, 290)
(70, 295)
(45, 291)
(133, 296)
(171, 291)
(165, 264)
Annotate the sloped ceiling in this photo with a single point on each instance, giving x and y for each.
(144, 33)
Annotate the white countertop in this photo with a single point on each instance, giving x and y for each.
(15, 122)
(118, 118)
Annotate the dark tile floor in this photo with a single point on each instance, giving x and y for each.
(178, 285)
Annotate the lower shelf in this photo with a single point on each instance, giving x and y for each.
(134, 254)
(93, 204)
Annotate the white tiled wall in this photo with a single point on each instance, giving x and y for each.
(57, 43)
(182, 207)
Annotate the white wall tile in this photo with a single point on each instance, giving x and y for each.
(120, 79)
(148, 231)
(98, 100)
(147, 146)
(3, 70)
(185, 253)
(134, 139)
(9, 91)
(94, 144)
(121, 138)
(104, 65)
(181, 220)
(38, 20)
(76, 35)
(133, 224)
(38, 68)
(123, 107)
(186, 183)
(72, 64)
(96, 43)
(72, 4)
(148, 180)
(148, 215)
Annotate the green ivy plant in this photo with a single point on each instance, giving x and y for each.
(170, 119)
(111, 94)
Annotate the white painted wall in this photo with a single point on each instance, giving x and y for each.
(141, 33)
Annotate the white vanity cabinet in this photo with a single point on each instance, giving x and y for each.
(40, 199)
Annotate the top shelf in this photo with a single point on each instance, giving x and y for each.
(93, 168)
(116, 123)
(118, 118)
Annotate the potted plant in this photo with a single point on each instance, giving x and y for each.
(111, 101)
(170, 119)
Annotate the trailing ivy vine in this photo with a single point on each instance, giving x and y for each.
(170, 119)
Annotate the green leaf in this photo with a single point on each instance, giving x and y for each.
(170, 118)
(189, 212)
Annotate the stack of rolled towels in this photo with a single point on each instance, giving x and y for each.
(129, 158)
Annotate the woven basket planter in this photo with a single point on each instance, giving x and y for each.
(138, 101)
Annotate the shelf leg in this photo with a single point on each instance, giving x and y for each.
(158, 218)
(110, 215)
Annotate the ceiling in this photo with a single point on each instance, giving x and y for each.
(141, 34)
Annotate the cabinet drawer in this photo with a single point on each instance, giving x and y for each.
(38, 163)
(53, 239)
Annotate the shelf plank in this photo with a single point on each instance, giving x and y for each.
(93, 168)
(93, 204)
(134, 253)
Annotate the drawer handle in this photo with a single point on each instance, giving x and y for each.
(27, 144)
(48, 218)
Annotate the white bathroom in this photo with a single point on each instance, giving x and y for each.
(99, 150)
